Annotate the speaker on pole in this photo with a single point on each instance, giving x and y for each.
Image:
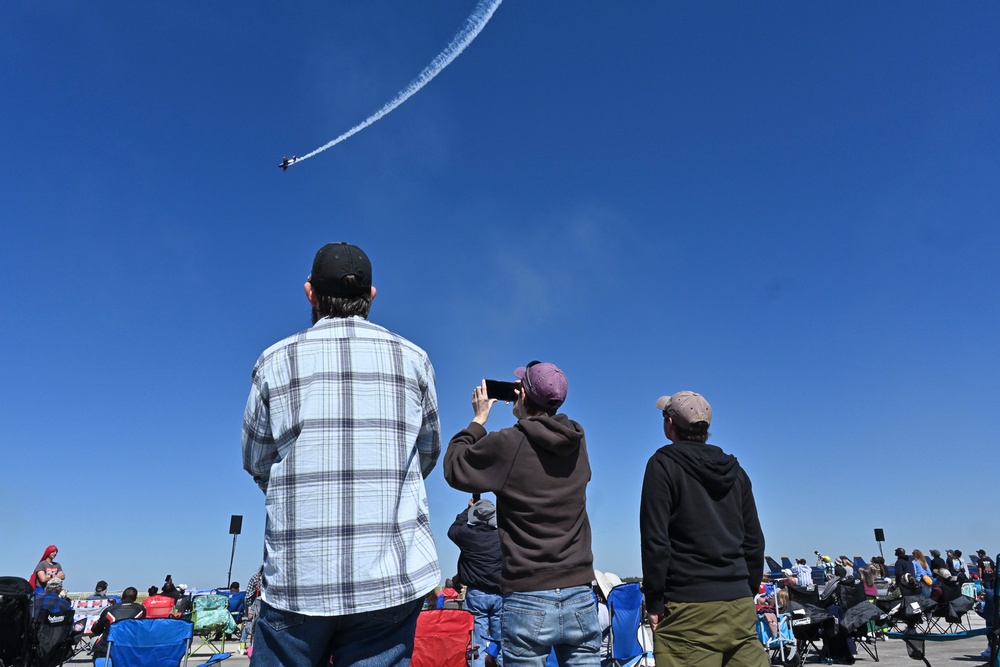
(235, 526)
(880, 538)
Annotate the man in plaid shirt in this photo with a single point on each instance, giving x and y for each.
(340, 430)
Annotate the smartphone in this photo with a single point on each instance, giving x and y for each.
(500, 390)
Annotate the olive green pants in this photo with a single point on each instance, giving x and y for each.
(709, 634)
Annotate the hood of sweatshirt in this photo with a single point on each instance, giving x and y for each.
(713, 468)
(558, 434)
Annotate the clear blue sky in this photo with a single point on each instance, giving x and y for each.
(790, 208)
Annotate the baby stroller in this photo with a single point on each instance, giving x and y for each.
(15, 621)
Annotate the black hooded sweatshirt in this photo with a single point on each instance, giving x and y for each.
(539, 471)
(701, 537)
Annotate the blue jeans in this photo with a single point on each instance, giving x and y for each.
(563, 620)
(487, 608)
(382, 638)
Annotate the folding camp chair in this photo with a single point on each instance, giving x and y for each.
(778, 640)
(443, 638)
(950, 613)
(16, 596)
(158, 642)
(237, 606)
(53, 638)
(159, 606)
(85, 614)
(625, 606)
(210, 618)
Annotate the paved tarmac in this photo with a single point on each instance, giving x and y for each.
(891, 652)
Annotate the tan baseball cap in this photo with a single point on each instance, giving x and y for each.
(686, 408)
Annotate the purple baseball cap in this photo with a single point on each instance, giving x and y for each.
(543, 383)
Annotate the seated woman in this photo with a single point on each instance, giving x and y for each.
(868, 579)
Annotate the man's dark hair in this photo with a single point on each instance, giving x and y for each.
(342, 306)
(129, 594)
(697, 432)
(234, 586)
(535, 410)
(153, 590)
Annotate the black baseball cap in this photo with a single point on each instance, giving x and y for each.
(333, 263)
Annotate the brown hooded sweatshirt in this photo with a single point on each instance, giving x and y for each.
(539, 471)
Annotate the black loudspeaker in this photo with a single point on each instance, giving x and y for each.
(235, 524)
(879, 535)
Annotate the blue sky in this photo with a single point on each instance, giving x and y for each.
(790, 208)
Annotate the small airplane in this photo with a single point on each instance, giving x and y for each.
(286, 163)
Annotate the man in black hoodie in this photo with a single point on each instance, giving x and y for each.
(539, 471)
(475, 534)
(702, 546)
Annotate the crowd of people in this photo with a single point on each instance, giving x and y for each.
(165, 601)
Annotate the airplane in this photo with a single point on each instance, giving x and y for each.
(286, 163)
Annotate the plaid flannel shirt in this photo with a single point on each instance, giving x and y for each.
(340, 430)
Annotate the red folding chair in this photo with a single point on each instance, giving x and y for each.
(444, 638)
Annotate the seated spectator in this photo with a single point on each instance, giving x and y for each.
(170, 591)
(922, 572)
(868, 580)
(962, 567)
(53, 600)
(100, 591)
(939, 568)
(127, 608)
(802, 572)
(151, 591)
(878, 568)
(904, 565)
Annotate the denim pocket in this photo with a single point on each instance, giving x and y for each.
(590, 628)
(279, 619)
(395, 615)
(521, 627)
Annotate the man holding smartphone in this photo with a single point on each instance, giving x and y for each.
(539, 471)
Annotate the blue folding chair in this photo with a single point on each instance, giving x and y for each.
(153, 642)
(625, 607)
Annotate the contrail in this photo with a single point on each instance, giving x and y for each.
(473, 26)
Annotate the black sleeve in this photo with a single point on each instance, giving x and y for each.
(102, 624)
(456, 533)
(753, 539)
(654, 533)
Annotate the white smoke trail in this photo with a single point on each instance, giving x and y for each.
(473, 26)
